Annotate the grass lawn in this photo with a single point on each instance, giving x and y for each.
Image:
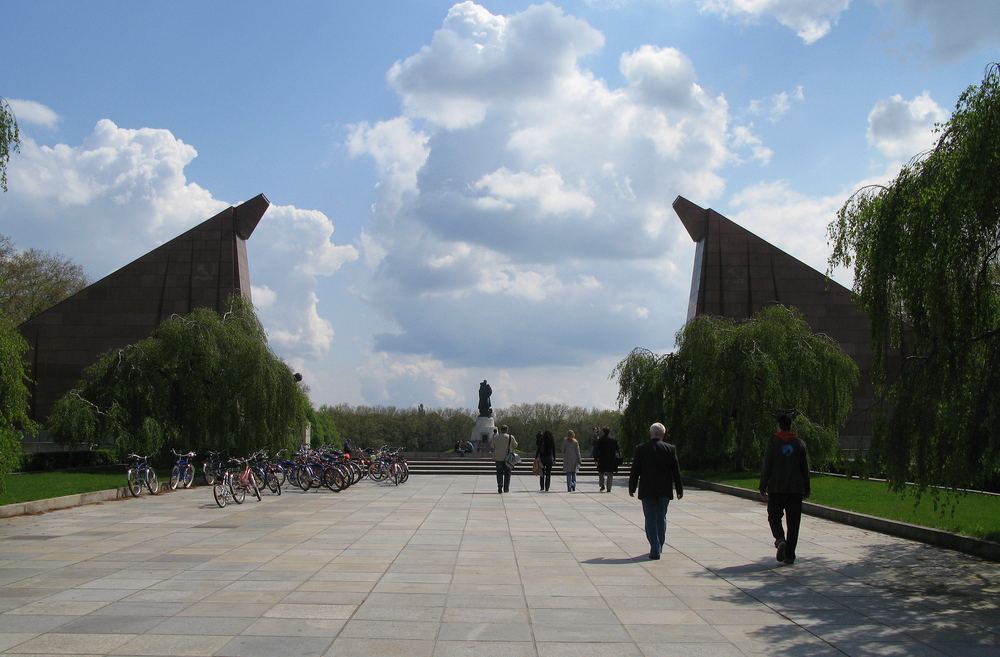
(971, 514)
(42, 485)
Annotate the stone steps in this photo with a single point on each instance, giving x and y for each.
(481, 466)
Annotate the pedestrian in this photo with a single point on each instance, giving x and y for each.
(503, 444)
(608, 456)
(784, 483)
(571, 459)
(656, 473)
(545, 451)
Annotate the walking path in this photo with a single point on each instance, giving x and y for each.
(443, 565)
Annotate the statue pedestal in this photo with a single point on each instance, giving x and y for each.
(482, 434)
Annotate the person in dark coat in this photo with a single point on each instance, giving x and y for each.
(606, 453)
(545, 451)
(784, 483)
(656, 473)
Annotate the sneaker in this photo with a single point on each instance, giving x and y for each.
(654, 557)
(781, 551)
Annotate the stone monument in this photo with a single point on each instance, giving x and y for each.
(482, 434)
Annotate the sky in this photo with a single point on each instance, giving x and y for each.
(468, 191)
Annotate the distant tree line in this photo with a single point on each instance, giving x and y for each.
(437, 430)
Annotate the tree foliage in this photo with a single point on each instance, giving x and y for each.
(201, 381)
(526, 420)
(14, 397)
(925, 257)
(32, 281)
(719, 392)
(10, 138)
(437, 430)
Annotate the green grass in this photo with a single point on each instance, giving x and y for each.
(971, 514)
(42, 485)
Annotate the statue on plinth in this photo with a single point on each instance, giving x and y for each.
(485, 410)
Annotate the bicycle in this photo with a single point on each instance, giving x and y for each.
(242, 480)
(140, 474)
(183, 472)
(212, 467)
(222, 489)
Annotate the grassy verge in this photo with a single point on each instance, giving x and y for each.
(968, 514)
(42, 485)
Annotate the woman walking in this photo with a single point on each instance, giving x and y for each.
(607, 455)
(545, 451)
(571, 459)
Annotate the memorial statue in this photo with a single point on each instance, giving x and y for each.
(485, 410)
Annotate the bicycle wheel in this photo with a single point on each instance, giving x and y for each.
(395, 473)
(206, 469)
(188, 477)
(406, 472)
(220, 492)
(333, 479)
(134, 485)
(272, 482)
(239, 492)
(304, 476)
(279, 473)
(253, 485)
(175, 478)
(152, 483)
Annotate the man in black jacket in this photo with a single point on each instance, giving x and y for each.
(656, 473)
(784, 482)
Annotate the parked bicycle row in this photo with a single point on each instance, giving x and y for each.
(232, 478)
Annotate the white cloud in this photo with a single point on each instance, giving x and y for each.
(811, 19)
(123, 192)
(794, 222)
(958, 29)
(523, 216)
(901, 129)
(33, 112)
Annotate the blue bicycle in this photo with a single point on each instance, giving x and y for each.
(140, 474)
(183, 472)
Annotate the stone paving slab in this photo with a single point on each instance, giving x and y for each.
(443, 565)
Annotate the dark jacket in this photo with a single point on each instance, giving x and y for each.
(545, 447)
(606, 454)
(786, 465)
(655, 471)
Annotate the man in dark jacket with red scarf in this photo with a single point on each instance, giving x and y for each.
(784, 483)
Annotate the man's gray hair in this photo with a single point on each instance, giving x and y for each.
(658, 429)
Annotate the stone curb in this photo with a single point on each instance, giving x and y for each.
(975, 546)
(64, 502)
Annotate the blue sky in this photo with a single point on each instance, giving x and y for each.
(465, 191)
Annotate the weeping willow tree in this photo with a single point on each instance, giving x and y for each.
(13, 398)
(719, 393)
(201, 381)
(926, 256)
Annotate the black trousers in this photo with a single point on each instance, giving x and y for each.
(788, 505)
(503, 476)
(545, 480)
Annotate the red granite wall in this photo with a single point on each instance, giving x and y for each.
(200, 268)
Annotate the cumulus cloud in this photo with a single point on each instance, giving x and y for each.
(523, 214)
(811, 19)
(957, 28)
(901, 128)
(122, 192)
(792, 221)
(33, 112)
(292, 247)
(777, 105)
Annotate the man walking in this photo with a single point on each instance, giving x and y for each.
(784, 483)
(656, 473)
(503, 444)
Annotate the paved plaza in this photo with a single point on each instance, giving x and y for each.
(443, 565)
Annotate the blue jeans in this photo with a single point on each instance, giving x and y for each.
(503, 476)
(655, 510)
(570, 481)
